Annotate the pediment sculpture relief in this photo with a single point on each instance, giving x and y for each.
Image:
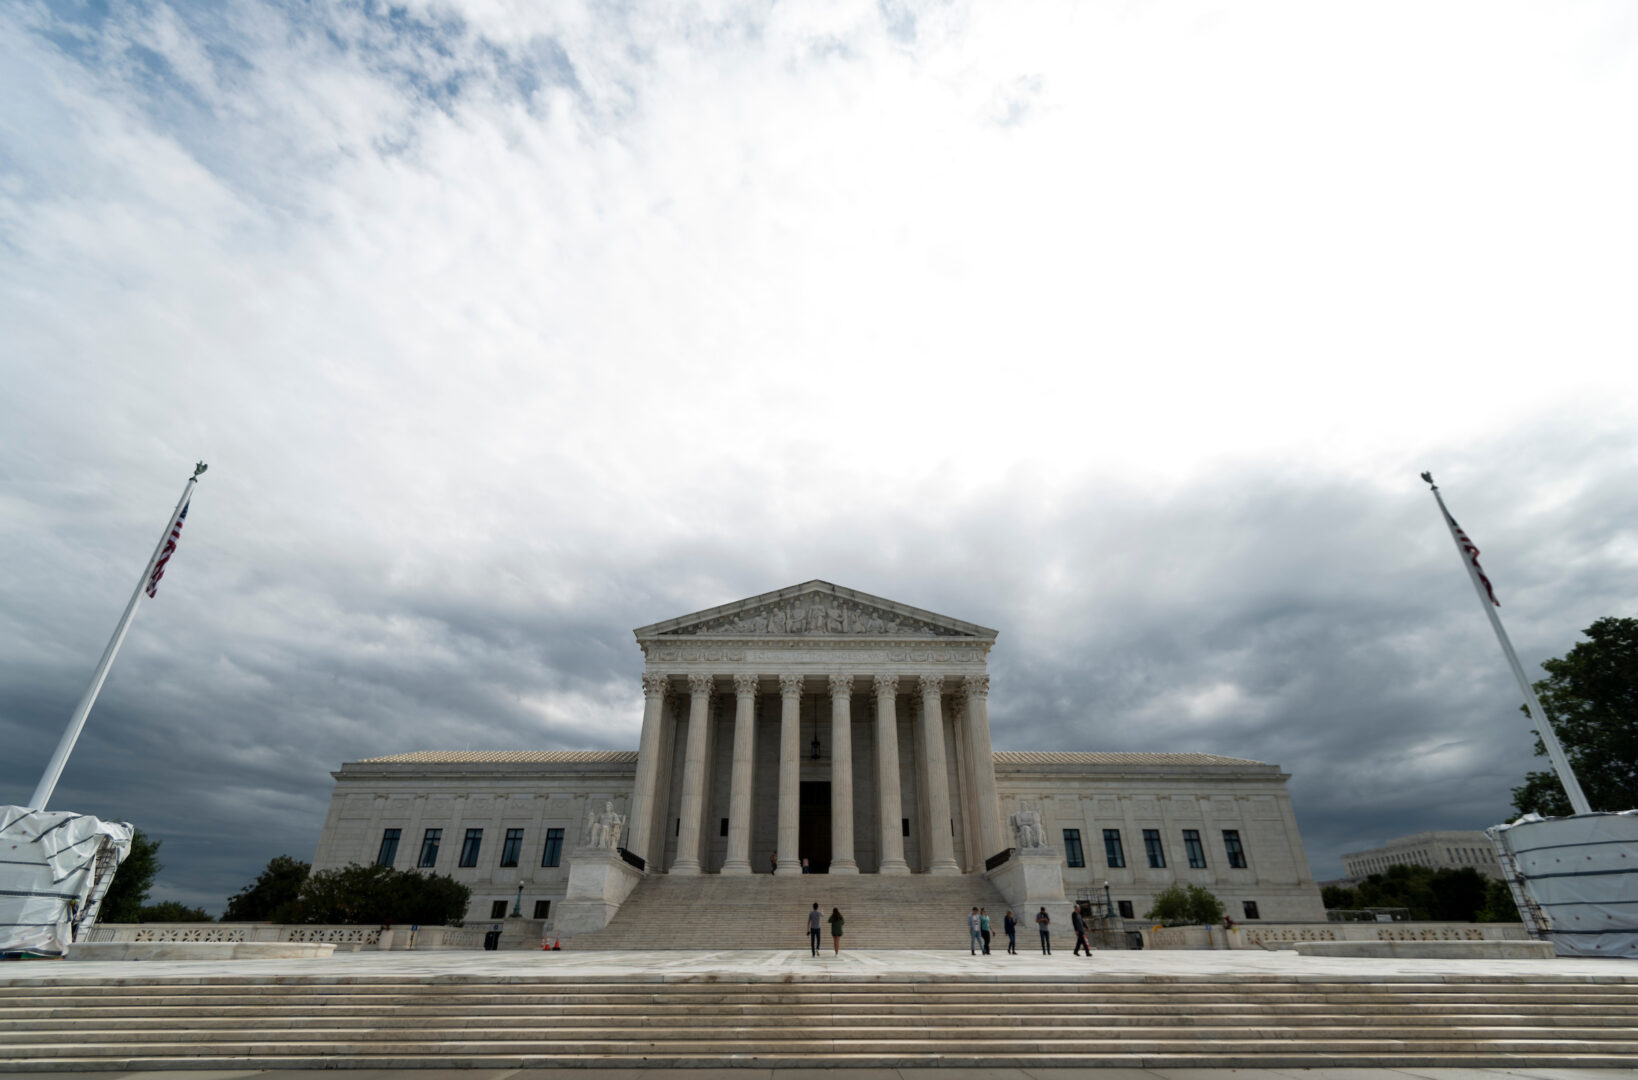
(818, 615)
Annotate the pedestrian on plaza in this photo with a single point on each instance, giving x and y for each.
(1079, 923)
(773, 864)
(804, 865)
(1043, 923)
(984, 928)
(1010, 925)
(836, 921)
(816, 921)
(974, 924)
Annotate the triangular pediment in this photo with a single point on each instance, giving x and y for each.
(815, 609)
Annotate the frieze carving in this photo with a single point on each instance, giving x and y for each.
(820, 614)
(777, 652)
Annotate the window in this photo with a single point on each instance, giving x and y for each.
(389, 848)
(1113, 853)
(497, 909)
(1125, 909)
(1236, 853)
(1151, 845)
(1072, 847)
(1250, 907)
(512, 848)
(469, 848)
(676, 830)
(552, 854)
(904, 826)
(429, 847)
(1191, 844)
(543, 909)
(723, 830)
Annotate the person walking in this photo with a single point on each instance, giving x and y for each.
(816, 922)
(1010, 925)
(1078, 921)
(984, 928)
(973, 924)
(836, 921)
(1043, 923)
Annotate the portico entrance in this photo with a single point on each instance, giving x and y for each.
(814, 842)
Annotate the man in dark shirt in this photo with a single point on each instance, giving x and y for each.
(1079, 923)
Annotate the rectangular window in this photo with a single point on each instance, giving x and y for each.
(904, 826)
(429, 847)
(389, 848)
(512, 847)
(470, 846)
(1191, 844)
(1072, 847)
(1236, 853)
(552, 854)
(1250, 907)
(543, 909)
(1151, 845)
(676, 830)
(497, 909)
(723, 831)
(1113, 852)
(1125, 909)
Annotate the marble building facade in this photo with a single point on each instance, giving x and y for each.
(820, 723)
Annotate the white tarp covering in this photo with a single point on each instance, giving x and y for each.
(1580, 876)
(55, 867)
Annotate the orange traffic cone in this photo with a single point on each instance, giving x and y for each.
(557, 946)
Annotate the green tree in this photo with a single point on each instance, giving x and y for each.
(1339, 896)
(273, 897)
(1498, 903)
(360, 894)
(173, 911)
(132, 881)
(1178, 904)
(1445, 895)
(1591, 698)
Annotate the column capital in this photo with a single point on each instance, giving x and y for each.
(975, 686)
(887, 686)
(932, 684)
(790, 685)
(841, 685)
(655, 684)
(745, 685)
(701, 684)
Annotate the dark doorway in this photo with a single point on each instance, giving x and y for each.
(813, 838)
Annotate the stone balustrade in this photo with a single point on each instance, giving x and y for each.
(1285, 936)
(344, 937)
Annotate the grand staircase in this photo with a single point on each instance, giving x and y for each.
(561, 1020)
(762, 911)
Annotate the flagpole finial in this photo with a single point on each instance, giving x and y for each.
(199, 470)
(1429, 478)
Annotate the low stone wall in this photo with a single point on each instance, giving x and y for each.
(338, 937)
(1288, 935)
(197, 950)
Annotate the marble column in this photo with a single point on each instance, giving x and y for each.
(738, 860)
(890, 815)
(693, 779)
(841, 775)
(992, 841)
(790, 776)
(942, 855)
(648, 766)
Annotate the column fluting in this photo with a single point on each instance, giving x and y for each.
(890, 814)
(648, 766)
(693, 781)
(738, 860)
(976, 690)
(942, 845)
(841, 776)
(790, 775)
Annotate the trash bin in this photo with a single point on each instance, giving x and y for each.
(491, 940)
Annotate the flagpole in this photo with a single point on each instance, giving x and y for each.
(1555, 752)
(71, 735)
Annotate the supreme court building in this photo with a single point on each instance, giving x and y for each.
(822, 724)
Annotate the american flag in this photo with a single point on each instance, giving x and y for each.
(1470, 551)
(169, 549)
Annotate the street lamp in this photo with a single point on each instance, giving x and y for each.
(517, 905)
(1108, 904)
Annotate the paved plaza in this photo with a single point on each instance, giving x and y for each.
(795, 964)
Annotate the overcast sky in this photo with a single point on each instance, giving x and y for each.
(507, 327)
